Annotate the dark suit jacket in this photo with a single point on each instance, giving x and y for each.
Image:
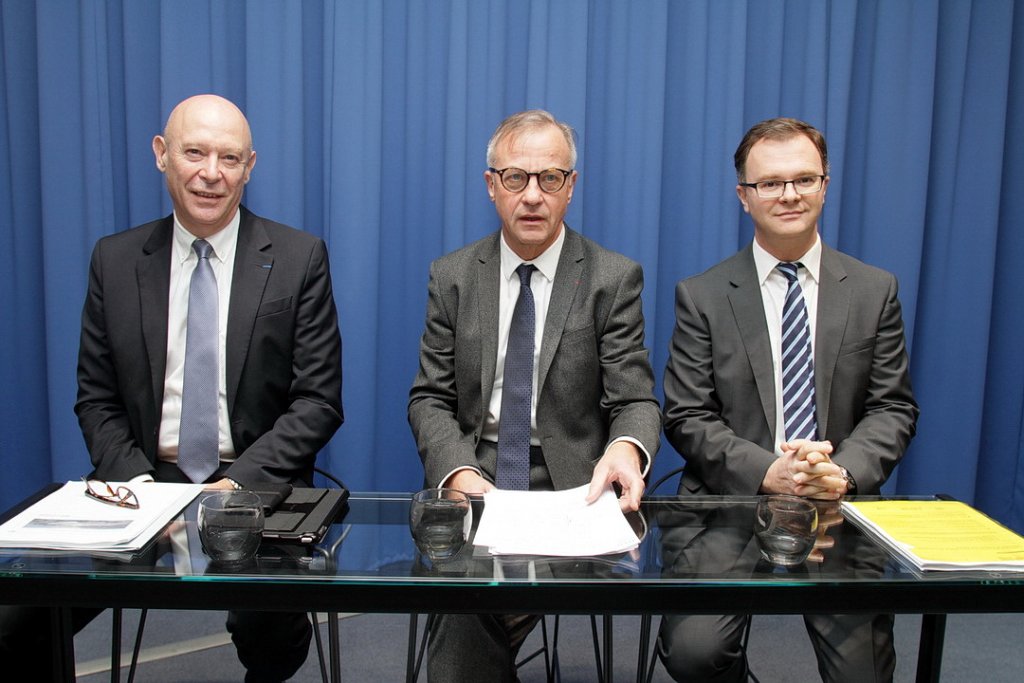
(595, 380)
(720, 385)
(283, 362)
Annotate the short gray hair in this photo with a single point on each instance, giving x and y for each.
(529, 120)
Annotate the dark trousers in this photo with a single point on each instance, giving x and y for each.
(848, 647)
(465, 648)
(271, 645)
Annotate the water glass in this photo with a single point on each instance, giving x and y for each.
(440, 520)
(231, 526)
(785, 527)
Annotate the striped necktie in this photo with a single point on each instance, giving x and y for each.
(797, 362)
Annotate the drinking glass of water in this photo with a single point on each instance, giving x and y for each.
(230, 526)
(785, 527)
(440, 520)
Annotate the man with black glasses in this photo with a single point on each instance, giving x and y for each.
(533, 371)
(787, 374)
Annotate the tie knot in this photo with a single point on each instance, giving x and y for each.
(202, 248)
(788, 269)
(524, 271)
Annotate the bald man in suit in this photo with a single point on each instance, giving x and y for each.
(278, 379)
(593, 417)
(724, 392)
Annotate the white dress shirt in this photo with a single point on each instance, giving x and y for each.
(183, 262)
(541, 282)
(774, 286)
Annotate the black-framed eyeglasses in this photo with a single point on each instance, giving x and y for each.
(769, 189)
(122, 496)
(550, 180)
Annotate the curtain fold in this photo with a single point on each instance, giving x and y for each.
(370, 121)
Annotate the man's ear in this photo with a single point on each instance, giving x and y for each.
(249, 166)
(571, 180)
(160, 152)
(741, 192)
(490, 179)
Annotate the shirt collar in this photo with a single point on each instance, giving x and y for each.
(223, 241)
(765, 262)
(546, 263)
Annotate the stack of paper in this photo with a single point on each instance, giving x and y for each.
(67, 519)
(939, 534)
(555, 523)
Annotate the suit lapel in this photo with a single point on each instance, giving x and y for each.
(748, 309)
(563, 292)
(488, 281)
(833, 313)
(153, 274)
(253, 263)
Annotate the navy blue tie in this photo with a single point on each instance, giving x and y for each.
(797, 362)
(517, 390)
(198, 441)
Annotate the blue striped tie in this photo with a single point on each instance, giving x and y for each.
(198, 441)
(517, 391)
(797, 362)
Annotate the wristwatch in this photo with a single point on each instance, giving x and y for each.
(851, 483)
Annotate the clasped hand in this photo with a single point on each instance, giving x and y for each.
(805, 468)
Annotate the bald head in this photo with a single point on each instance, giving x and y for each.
(206, 154)
(212, 109)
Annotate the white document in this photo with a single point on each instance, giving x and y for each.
(555, 523)
(67, 519)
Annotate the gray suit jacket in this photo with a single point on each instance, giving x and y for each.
(719, 382)
(595, 380)
(283, 353)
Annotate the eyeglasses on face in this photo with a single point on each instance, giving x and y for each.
(122, 496)
(769, 189)
(516, 179)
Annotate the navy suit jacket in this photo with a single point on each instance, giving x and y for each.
(283, 351)
(720, 383)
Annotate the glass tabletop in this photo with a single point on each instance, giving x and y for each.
(369, 561)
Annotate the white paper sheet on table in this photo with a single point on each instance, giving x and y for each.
(557, 523)
(67, 519)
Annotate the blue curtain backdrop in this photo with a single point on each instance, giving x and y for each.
(371, 117)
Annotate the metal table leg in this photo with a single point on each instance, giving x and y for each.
(929, 654)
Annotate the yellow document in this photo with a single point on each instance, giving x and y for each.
(940, 534)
